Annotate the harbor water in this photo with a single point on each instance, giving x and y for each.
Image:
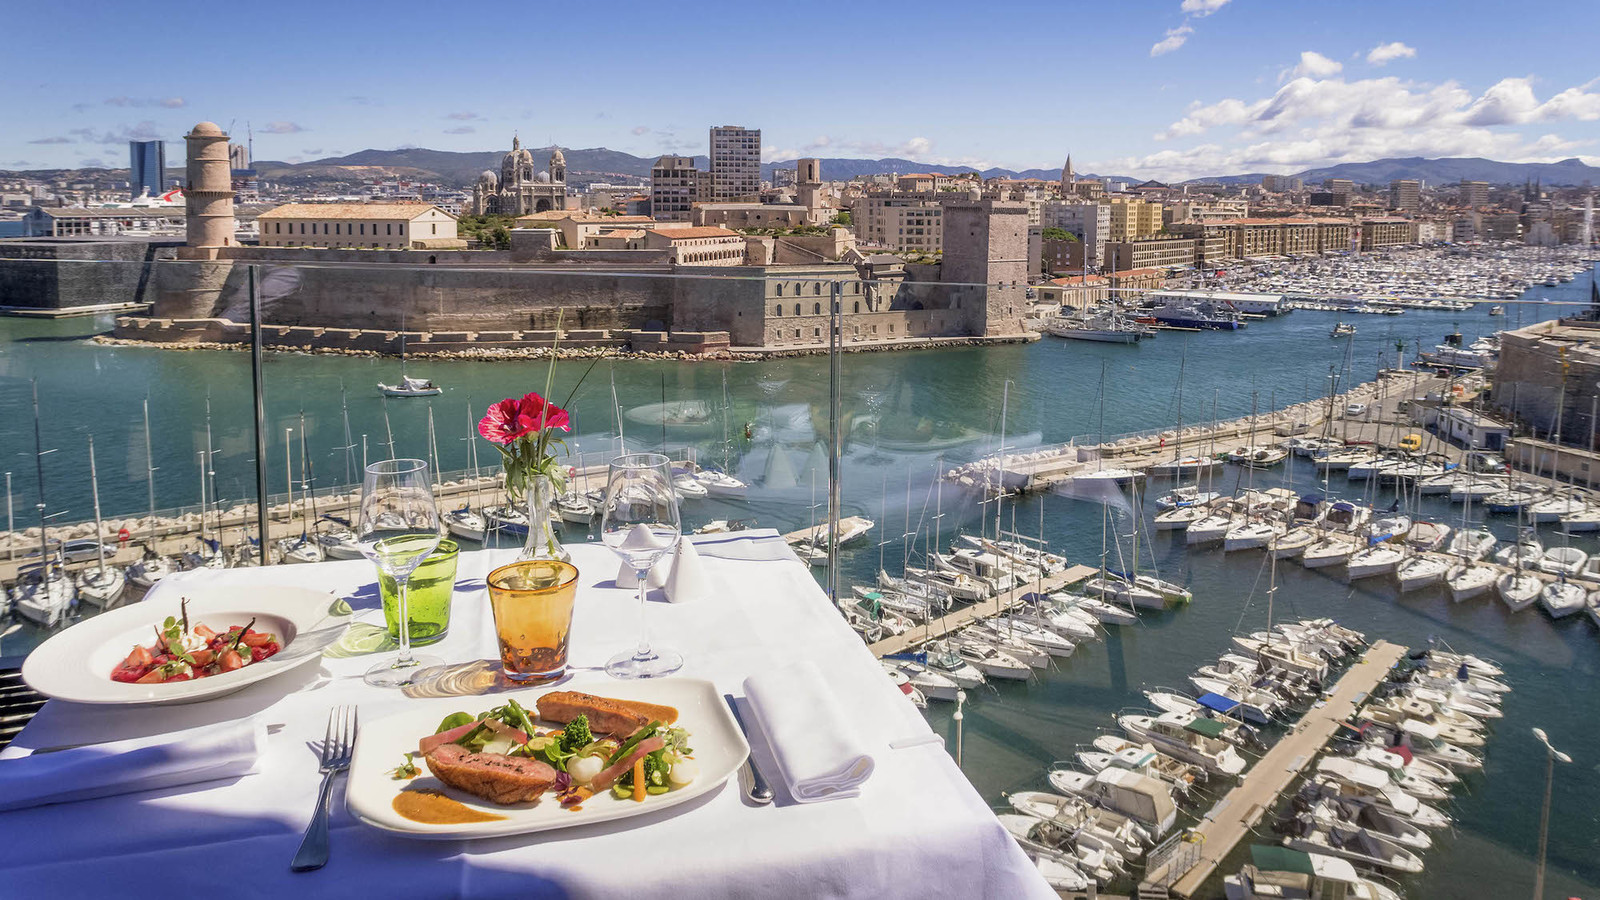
(907, 416)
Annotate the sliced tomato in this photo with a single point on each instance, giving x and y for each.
(205, 632)
(152, 677)
(127, 674)
(256, 639)
(203, 657)
(229, 660)
(138, 659)
(257, 654)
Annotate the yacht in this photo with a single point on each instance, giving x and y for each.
(411, 387)
(1205, 742)
(721, 484)
(1293, 542)
(1564, 561)
(1279, 873)
(1142, 798)
(1378, 559)
(1250, 535)
(465, 523)
(1210, 528)
(1353, 844)
(1342, 329)
(687, 486)
(1258, 457)
(1109, 329)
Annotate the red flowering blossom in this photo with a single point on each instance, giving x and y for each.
(506, 421)
(543, 413)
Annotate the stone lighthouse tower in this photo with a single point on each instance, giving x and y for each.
(207, 193)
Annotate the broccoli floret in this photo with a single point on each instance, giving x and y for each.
(656, 770)
(576, 735)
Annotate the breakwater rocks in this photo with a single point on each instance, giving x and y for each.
(222, 334)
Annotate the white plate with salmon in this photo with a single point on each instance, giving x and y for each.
(592, 750)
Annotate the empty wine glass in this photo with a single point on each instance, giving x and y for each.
(397, 529)
(641, 525)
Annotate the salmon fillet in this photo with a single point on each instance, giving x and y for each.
(618, 718)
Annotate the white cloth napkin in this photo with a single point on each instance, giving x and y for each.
(687, 579)
(209, 753)
(818, 753)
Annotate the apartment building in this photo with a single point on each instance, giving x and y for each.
(1405, 193)
(357, 226)
(1089, 222)
(1132, 219)
(1150, 253)
(735, 164)
(1474, 193)
(900, 222)
(674, 188)
(1379, 233)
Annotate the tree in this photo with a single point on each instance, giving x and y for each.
(842, 218)
(1058, 234)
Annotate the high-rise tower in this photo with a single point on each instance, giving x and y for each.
(208, 193)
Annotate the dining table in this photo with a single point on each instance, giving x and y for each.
(917, 827)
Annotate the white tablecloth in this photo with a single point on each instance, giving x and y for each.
(918, 828)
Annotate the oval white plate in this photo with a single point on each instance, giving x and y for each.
(76, 664)
(719, 749)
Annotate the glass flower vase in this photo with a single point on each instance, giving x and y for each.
(542, 542)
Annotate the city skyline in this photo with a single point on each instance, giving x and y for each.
(1173, 89)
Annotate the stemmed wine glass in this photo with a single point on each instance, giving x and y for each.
(641, 525)
(397, 529)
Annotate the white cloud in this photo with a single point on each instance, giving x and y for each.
(460, 129)
(1310, 122)
(1174, 38)
(1201, 8)
(463, 116)
(1314, 65)
(637, 130)
(284, 128)
(1383, 54)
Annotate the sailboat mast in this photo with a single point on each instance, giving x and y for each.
(99, 525)
(211, 478)
(433, 451)
(388, 429)
(149, 468)
(308, 504)
(38, 462)
(1000, 473)
(472, 454)
(349, 442)
(200, 460)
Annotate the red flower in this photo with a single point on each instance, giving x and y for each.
(506, 421)
(544, 414)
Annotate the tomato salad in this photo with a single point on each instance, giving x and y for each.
(184, 653)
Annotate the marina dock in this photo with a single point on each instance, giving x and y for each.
(934, 629)
(1241, 809)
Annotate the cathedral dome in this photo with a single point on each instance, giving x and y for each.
(557, 158)
(489, 179)
(542, 177)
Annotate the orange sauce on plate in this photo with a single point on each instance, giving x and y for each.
(434, 808)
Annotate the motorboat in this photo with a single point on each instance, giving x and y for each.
(1071, 624)
(1562, 598)
(1565, 561)
(1112, 587)
(1113, 750)
(508, 519)
(1388, 528)
(1454, 700)
(1346, 517)
(1472, 544)
(991, 662)
(1421, 570)
(1059, 843)
(1250, 535)
(1139, 797)
(1172, 701)
(1378, 559)
(1240, 701)
(688, 487)
(1468, 580)
(1058, 872)
(1518, 589)
(1372, 820)
(1342, 329)
(575, 509)
(987, 634)
(933, 684)
(339, 543)
(1101, 611)
(944, 660)
(1205, 742)
(721, 526)
(1284, 654)
(465, 523)
(1107, 475)
(1309, 447)
(1103, 829)
(1354, 844)
(720, 484)
(1511, 500)
(411, 387)
(1278, 873)
(1347, 780)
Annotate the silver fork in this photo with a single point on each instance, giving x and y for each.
(336, 749)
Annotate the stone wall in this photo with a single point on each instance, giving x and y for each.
(1528, 377)
(58, 273)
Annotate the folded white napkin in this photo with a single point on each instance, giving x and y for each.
(687, 577)
(209, 753)
(818, 754)
(627, 578)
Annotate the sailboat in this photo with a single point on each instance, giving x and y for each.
(1468, 578)
(718, 482)
(102, 585)
(153, 567)
(408, 386)
(305, 548)
(1103, 474)
(464, 521)
(44, 595)
(209, 554)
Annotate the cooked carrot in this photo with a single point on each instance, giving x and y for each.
(638, 780)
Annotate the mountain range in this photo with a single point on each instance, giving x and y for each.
(461, 169)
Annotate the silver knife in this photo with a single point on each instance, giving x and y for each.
(760, 792)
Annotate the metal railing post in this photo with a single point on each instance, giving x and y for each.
(262, 556)
(835, 430)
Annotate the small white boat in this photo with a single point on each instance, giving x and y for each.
(149, 570)
(1554, 509)
(339, 543)
(1526, 551)
(1179, 466)
(1355, 845)
(1030, 632)
(1185, 496)
(1107, 475)
(1472, 544)
(1518, 589)
(1427, 535)
(1142, 798)
(1209, 529)
(1179, 517)
(721, 484)
(1583, 521)
(1326, 552)
(1562, 598)
(410, 387)
(1057, 872)
(302, 549)
(101, 587)
(1468, 580)
(1258, 457)
(1286, 873)
(1565, 561)
(992, 663)
(44, 596)
(1250, 535)
(1198, 740)
(575, 508)
(933, 684)
(1292, 543)
(465, 523)
(688, 487)
(1420, 571)
(1379, 559)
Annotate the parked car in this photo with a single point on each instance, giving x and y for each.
(1355, 409)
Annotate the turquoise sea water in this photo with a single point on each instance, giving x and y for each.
(906, 415)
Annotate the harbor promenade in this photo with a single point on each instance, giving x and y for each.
(1241, 809)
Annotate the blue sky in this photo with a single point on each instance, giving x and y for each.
(1170, 89)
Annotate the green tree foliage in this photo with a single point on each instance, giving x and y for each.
(842, 218)
(1058, 234)
(491, 232)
